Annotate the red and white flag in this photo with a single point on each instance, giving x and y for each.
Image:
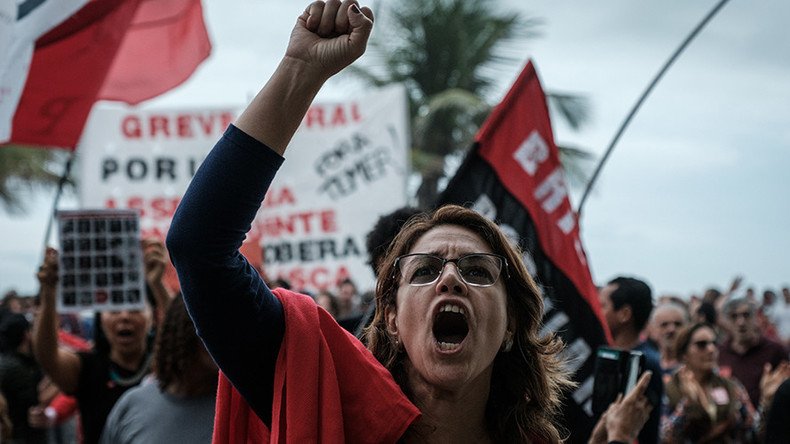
(126, 50)
(21, 24)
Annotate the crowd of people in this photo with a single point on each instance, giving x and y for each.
(720, 357)
(448, 348)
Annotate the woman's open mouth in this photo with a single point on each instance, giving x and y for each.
(125, 335)
(450, 327)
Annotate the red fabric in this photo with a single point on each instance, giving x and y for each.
(327, 388)
(73, 342)
(65, 406)
(72, 62)
(519, 128)
(163, 46)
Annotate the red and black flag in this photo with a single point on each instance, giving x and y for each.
(513, 176)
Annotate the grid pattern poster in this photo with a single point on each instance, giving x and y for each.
(101, 261)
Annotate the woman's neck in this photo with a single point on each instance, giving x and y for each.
(130, 361)
(703, 376)
(450, 415)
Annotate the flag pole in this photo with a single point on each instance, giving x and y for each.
(61, 183)
(642, 98)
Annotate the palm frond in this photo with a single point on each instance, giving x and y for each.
(573, 108)
(23, 169)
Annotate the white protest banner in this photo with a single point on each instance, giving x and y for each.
(143, 159)
(345, 167)
(100, 261)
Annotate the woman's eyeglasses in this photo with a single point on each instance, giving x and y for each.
(478, 269)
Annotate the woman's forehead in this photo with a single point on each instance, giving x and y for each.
(450, 240)
(702, 333)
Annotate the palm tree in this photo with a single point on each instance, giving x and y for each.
(449, 54)
(23, 169)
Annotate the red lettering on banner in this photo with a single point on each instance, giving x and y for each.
(159, 124)
(338, 115)
(302, 222)
(318, 278)
(177, 126)
(156, 208)
(278, 196)
(328, 224)
(131, 127)
(315, 116)
(184, 123)
(355, 115)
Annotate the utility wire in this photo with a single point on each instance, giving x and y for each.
(642, 98)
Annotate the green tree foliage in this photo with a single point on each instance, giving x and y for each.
(23, 169)
(450, 55)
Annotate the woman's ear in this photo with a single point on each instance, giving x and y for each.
(391, 312)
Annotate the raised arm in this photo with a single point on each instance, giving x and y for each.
(62, 365)
(155, 262)
(235, 314)
(327, 38)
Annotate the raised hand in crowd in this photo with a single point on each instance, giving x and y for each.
(97, 378)
(771, 380)
(155, 262)
(626, 416)
(692, 389)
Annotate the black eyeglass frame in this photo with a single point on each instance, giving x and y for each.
(503, 266)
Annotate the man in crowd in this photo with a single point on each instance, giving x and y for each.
(20, 376)
(782, 318)
(746, 351)
(668, 319)
(626, 304)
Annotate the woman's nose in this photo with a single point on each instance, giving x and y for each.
(450, 281)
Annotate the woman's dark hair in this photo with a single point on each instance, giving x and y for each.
(177, 345)
(684, 337)
(708, 312)
(386, 228)
(527, 381)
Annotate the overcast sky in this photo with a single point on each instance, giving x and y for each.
(696, 190)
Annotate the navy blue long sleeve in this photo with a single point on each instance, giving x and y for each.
(238, 318)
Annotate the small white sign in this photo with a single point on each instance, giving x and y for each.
(101, 261)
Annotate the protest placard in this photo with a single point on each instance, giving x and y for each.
(100, 262)
(347, 165)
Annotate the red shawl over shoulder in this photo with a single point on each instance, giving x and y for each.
(327, 388)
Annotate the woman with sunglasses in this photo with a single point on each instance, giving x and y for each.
(454, 350)
(704, 406)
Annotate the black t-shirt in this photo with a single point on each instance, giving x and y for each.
(19, 379)
(101, 383)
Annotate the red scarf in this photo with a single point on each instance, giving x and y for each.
(327, 388)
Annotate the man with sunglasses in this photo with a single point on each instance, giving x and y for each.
(744, 354)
